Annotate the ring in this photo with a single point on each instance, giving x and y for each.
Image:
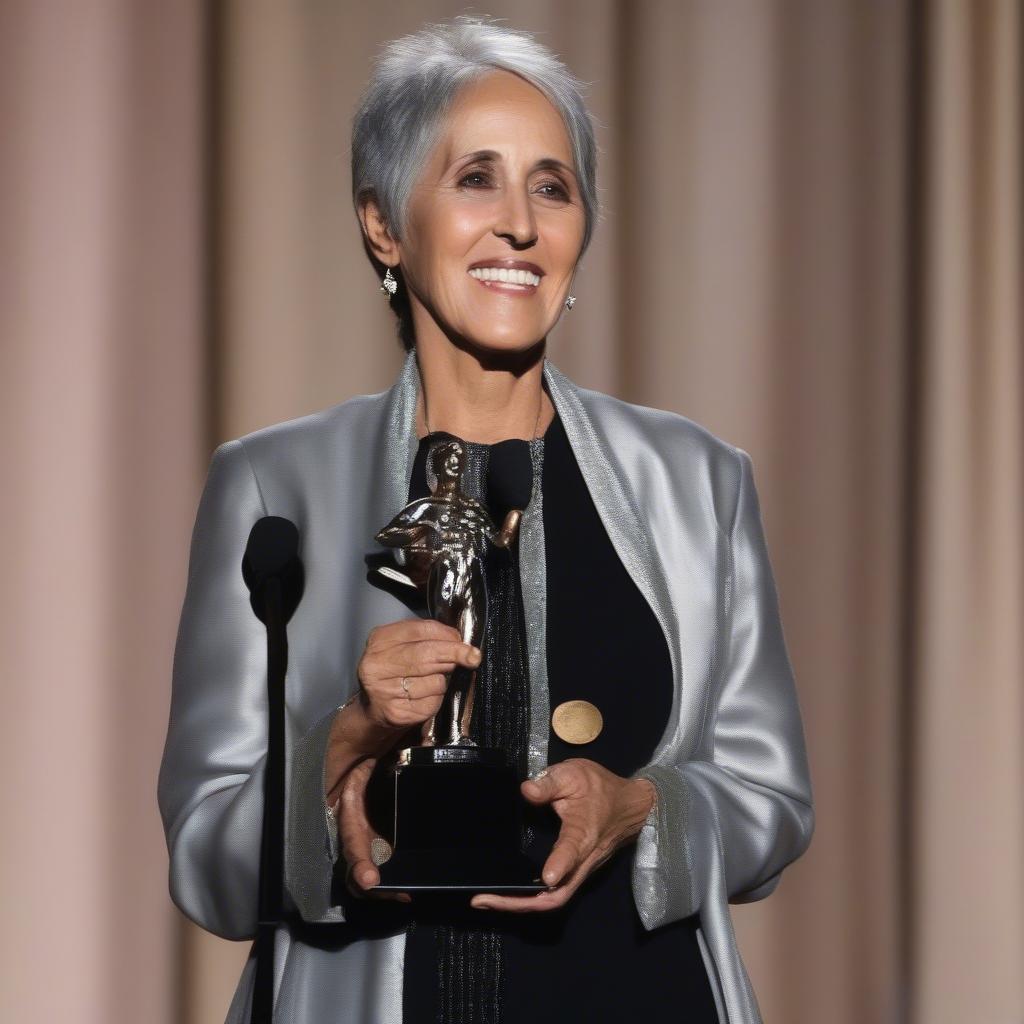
(405, 686)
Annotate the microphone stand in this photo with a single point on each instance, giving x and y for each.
(272, 842)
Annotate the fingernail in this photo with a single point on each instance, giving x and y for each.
(539, 775)
(550, 877)
(474, 655)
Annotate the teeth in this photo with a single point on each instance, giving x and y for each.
(501, 274)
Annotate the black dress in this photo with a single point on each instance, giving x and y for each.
(591, 959)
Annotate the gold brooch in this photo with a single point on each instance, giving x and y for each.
(577, 721)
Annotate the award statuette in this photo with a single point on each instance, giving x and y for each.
(457, 805)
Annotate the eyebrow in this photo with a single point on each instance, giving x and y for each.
(492, 156)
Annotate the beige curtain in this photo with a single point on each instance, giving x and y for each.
(103, 441)
(812, 244)
(965, 702)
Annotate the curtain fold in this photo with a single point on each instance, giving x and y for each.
(966, 929)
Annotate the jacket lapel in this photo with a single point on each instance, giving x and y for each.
(397, 444)
(614, 496)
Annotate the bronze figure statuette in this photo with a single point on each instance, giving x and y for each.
(444, 537)
(457, 814)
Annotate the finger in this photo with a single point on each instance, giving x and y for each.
(539, 902)
(570, 850)
(425, 657)
(425, 705)
(401, 713)
(551, 899)
(354, 831)
(405, 630)
(418, 687)
(363, 875)
(552, 783)
(367, 892)
(427, 629)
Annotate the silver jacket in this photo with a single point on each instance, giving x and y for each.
(734, 803)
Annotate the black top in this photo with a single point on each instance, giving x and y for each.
(592, 959)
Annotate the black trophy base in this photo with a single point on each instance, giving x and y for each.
(457, 821)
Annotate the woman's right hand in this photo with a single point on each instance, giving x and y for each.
(422, 651)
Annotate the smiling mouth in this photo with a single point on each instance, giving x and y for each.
(508, 287)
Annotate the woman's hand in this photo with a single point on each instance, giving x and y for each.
(600, 812)
(421, 651)
(356, 835)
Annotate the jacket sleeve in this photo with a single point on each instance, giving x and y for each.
(210, 788)
(311, 835)
(734, 822)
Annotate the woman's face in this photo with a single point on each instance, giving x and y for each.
(469, 210)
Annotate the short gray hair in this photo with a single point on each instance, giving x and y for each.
(401, 116)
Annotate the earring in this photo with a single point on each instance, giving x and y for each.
(570, 302)
(390, 284)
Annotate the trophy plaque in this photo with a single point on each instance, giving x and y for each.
(457, 808)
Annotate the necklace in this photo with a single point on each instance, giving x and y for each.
(536, 422)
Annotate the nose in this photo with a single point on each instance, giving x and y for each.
(516, 221)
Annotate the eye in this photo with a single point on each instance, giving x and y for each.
(472, 174)
(560, 190)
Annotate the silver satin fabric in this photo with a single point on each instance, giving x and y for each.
(734, 800)
(533, 580)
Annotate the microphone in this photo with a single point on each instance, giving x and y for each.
(272, 553)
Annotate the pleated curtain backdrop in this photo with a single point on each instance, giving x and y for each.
(964, 825)
(811, 244)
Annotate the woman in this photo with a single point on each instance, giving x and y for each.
(639, 585)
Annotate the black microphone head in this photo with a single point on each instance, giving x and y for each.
(272, 552)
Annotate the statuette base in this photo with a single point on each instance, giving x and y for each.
(457, 825)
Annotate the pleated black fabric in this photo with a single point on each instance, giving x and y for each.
(592, 959)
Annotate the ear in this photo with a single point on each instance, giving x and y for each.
(384, 247)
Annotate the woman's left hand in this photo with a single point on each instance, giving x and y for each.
(600, 812)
